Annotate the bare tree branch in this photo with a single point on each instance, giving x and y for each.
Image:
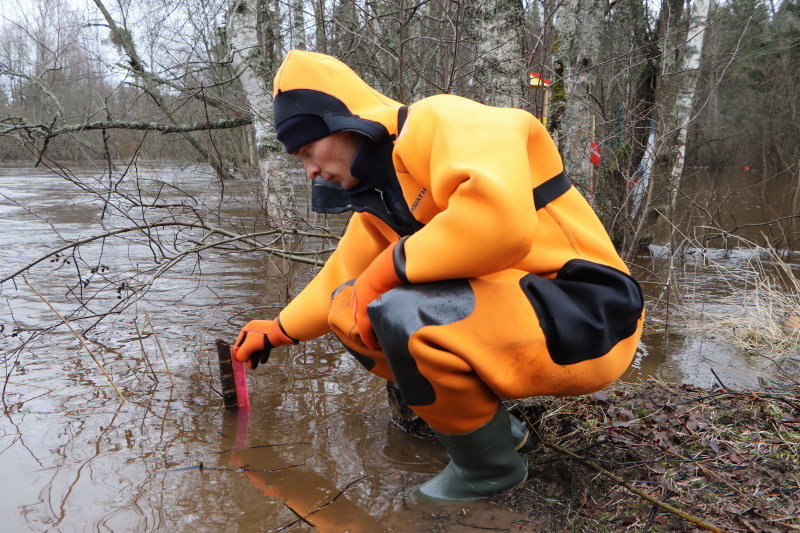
(17, 124)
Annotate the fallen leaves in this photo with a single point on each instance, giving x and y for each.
(728, 456)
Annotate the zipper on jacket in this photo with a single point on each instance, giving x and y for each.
(383, 201)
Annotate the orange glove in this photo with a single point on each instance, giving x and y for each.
(257, 339)
(379, 277)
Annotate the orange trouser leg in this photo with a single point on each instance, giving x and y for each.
(437, 384)
(455, 347)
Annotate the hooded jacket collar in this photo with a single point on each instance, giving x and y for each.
(378, 193)
(308, 83)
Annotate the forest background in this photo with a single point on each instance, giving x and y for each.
(629, 89)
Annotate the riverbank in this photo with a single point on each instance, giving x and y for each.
(653, 457)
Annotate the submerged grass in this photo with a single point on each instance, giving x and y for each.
(763, 317)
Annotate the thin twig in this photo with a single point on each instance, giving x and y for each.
(654, 510)
(144, 352)
(484, 528)
(329, 502)
(202, 467)
(719, 380)
(77, 336)
(163, 357)
(300, 519)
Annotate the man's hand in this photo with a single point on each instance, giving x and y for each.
(256, 341)
(379, 277)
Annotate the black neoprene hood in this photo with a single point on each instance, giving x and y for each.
(333, 111)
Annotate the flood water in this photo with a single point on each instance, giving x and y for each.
(318, 443)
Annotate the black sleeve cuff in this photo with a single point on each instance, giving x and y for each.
(280, 325)
(399, 257)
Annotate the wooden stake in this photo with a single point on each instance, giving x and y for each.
(226, 377)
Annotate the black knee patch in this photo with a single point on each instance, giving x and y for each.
(397, 314)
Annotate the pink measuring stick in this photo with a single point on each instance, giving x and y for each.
(240, 379)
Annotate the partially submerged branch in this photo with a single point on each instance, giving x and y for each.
(230, 238)
(80, 339)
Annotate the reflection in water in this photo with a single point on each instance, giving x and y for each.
(717, 206)
(320, 443)
(311, 498)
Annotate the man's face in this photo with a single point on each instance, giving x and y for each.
(330, 158)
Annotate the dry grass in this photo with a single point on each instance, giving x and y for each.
(727, 458)
(763, 315)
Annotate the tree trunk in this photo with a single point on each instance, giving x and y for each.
(151, 85)
(499, 73)
(579, 27)
(321, 26)
(344, 39)
(251, 26)
(685, 98)
(298, 25)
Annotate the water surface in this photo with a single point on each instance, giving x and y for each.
(318, 442)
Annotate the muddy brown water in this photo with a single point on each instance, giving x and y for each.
(318, 441)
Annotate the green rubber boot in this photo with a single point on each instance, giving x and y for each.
(482, 462)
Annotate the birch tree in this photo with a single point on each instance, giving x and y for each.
(579, 27)
(67, 84)
(345, 32)
(252, 33)
(154, 86)
(321, 23)
(495, 32)
(640, 143)
(685, 98)
(298, 25)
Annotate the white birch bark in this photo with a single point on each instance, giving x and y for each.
(643, 174)
(579, 24)
(499, 66)
(685, 98)
(298, 25)
(255, 74)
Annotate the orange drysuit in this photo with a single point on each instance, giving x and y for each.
(512, 286)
